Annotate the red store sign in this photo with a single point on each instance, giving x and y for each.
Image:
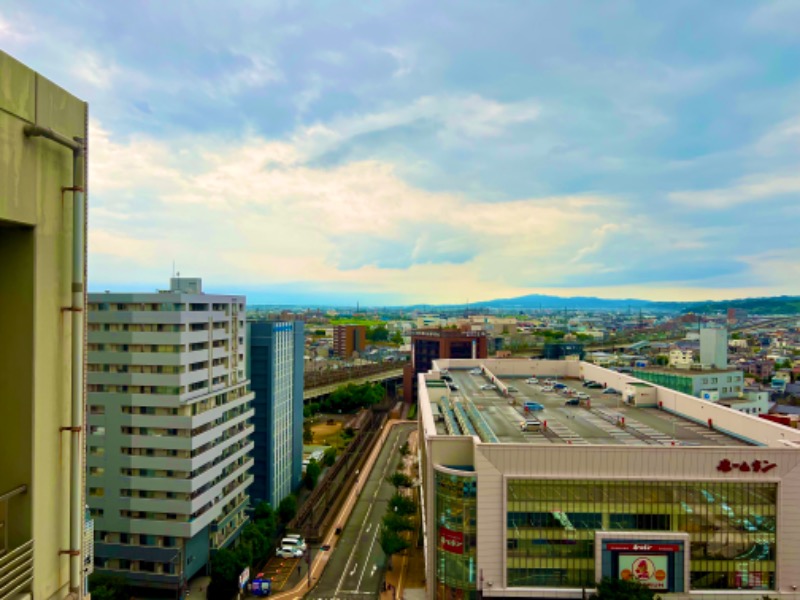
(756, 466)
(451, 541)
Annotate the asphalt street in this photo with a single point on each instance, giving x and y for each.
(356, 567)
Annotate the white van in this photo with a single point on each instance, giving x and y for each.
(293, 543)
(531, 425)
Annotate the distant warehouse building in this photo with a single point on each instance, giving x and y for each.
(708, 385)
(558, 351)
(691, 498)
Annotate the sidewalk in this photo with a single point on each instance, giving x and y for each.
(407, 577)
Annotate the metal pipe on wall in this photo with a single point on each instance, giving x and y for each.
(77, 308)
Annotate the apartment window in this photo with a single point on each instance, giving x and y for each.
(97, 450)
(97, 492)
(96, 471)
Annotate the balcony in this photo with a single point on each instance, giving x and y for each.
(16, 561)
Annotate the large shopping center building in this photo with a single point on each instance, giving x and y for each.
(681, 494)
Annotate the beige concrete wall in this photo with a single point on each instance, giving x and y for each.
(496, 463)
(35, 282)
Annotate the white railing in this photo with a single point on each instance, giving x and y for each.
(16, 564)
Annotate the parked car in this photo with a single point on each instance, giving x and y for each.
(559, 386)
(611, 391)
(582, 396)
(546, 388)
(488, 386)
(532, 380)
(511, 388)
(531, 425)
(288, 553)
(593, 385)
(533, 406)
(454, 387)
(294, 539)
(587, 382)
(475, 372)
(573, 402)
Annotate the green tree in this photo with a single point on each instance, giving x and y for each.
(266, 520)
(391, 543)
(287, 509)
(661, 360)
(329, 457)
(396, 523)
(258, 543)
(225, 569)
(351, 397)
(619, 589)
(399, 479)
(404, 449)
(397, 338)
(108, 587)
(308, 435)
(379, 333)
(313, 471)
(401, 505)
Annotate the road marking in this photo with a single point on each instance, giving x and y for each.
(353, 572)
(369, 511)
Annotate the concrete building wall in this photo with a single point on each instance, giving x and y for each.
(35, 345)
(495, 465)
(169, 430)
(714, 347)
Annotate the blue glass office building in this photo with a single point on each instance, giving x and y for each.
(275, 368)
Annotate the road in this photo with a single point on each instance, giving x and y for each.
(355, 568)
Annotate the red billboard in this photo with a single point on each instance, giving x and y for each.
(451, 541)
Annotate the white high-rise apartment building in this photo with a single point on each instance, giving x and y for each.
(170, 426)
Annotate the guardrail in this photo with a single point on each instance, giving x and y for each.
(16, 564)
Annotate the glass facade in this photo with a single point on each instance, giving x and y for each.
(456, 535)
(731, 526)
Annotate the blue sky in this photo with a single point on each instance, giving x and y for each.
(397, 152)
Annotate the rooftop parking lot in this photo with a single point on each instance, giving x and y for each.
(605, 419)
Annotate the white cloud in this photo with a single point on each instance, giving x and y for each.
(256, 213)
(751, 189)
(455, 118)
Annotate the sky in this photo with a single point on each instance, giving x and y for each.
(397, 152)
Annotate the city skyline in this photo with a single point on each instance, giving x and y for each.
(403, 153)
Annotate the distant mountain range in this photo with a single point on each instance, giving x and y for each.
(774, 305)
(534, 301)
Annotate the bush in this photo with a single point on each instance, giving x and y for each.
(402, 506)
(399, 479)
(396, 523)
(108, 587)
(329, 457)
(287, 509)
(615, 589)
(312, 474)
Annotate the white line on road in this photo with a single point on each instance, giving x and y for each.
(366, 518)
(353, 572)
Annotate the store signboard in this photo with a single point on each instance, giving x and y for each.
(650, 570)
(451, 541)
